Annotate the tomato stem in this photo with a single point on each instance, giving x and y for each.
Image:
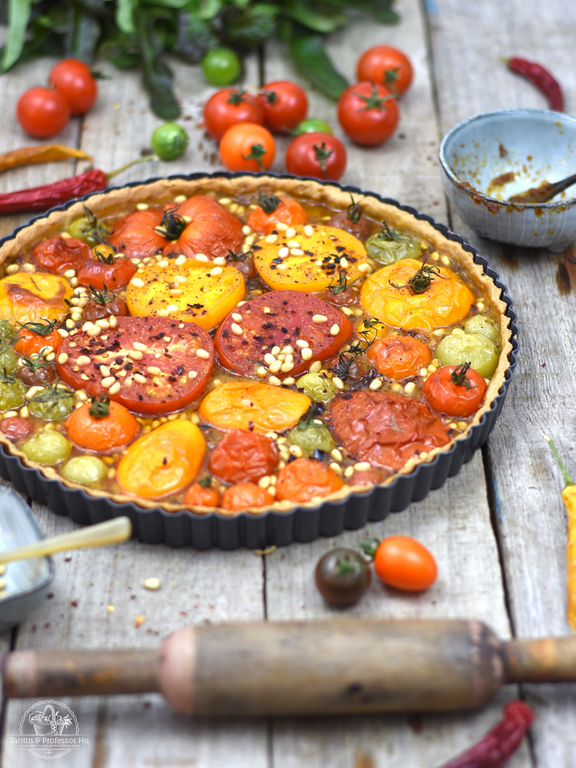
(237, 97)
(257, 152)
(40, 328)
(100, 407)
(322, 154)
(354, 211)
(459, 376)
(373, 101)
(369, 546)
(268, 203)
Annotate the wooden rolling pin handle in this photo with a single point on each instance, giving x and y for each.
(27, 674)
(540, 660)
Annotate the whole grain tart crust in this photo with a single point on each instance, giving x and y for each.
(160, 191)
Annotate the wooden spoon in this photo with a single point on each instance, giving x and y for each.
(110, 532)
(546, 191)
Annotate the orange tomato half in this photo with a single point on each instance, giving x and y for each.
(399, 356)
(288, 212)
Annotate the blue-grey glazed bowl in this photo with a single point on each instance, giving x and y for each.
(526, 147)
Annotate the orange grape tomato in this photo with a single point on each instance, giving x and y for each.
(404, 563)
(386, 295)
(118, 428)
(253, 405)
(135, 235)
(287, 211)
(244, 496)
(167, 364)
(303, 479)
(455, 390)
(208, 293)
(32, 298)
(285, 319)
(37, 336)
(310, 258)
(163, 461)
(199, 495)
(399, 356)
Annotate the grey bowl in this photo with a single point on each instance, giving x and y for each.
(26, 581)
(535, 145)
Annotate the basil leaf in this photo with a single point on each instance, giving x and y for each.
(18, 16)
(157, 75)
(252, 27)
(312, 61)
(317, 16)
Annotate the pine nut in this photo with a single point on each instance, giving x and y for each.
(236, 329)
(306, 353)
(115, 388)
(154, 370)
(216, 271)
(335, 330)
(203, 353)
(137, 282)
(319, 319)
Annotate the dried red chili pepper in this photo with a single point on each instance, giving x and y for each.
(49, 195)
(541, 78)
(496, 747)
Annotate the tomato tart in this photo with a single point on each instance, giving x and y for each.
(279, 355)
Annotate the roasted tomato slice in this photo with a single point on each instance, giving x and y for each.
(149, 364)
(385, 429)
(303, 327)
(58, 254)
(100, 274)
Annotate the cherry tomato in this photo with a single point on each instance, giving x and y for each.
(243, 456)
(399, 356)
(368, 113)
(152, 384)
(247, 147)
(169, 141)
(274, 210)
(385, 429)
(113, 427)
(352, 222)
(304, 479)
(456, 390)
(16, 428)
(244, 496)
(59, 254)
(42, 112)
(312, 125)
(221, 66)
(37, 373)
(342, 576)
(37, 336)
(102, 305)
(387, 66)
(200, 495)
(100, 274)
(285, 105)
(316, 154)
(229, 107)
(404, 563)
(73, 79)
(289, 320)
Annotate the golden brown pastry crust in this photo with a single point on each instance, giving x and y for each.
(165, 190)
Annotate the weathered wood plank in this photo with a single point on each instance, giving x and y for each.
(531, 522)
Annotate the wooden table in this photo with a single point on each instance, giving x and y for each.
(497, 529)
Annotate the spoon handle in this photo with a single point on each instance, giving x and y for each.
(109, 532)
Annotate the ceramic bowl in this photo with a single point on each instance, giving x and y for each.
(492, 156)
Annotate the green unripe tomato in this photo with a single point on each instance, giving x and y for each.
(221, 66)
(12, 394)
(169, 141)
(390, 245)
(52, 404)
(84, 469)
(7, 330)
(484, 325)
(47, 447)
(81, 229)
(473, 348)
(8, 360)
(312, 438)
(312, 125)
(317, 387)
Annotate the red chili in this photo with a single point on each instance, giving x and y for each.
(49, 195)
(541, 78)
(496, 747)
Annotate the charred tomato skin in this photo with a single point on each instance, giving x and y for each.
(243, 456)
(342, 576)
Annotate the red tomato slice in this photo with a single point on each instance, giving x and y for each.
(174, 374)
(58, 254)
(100, 274)
(281, 319)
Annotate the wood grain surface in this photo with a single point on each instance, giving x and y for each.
(497, 529)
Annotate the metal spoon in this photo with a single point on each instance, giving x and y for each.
(110, 532)
(544, 192)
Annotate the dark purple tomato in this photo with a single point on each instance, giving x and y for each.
(342, 576)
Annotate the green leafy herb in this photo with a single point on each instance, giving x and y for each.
(40, 328)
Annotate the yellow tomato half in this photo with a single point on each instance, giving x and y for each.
(163, 461)
(30, 297)
(253, 405)
(197, 291)
(387, 296)
(309, 262)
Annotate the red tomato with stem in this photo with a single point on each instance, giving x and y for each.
(42, 112)
(101, 274)
(385, 65)
(285, 105)
(316, 154)
(247, 147)
(404, 563)
(73, 79)
(229, 107)
(368, 113)
(456, 390)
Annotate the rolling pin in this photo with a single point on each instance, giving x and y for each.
(295, 668)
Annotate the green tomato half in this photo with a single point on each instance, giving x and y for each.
(47, 447)
(473, 348)
(169, 141)
(84, 469)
